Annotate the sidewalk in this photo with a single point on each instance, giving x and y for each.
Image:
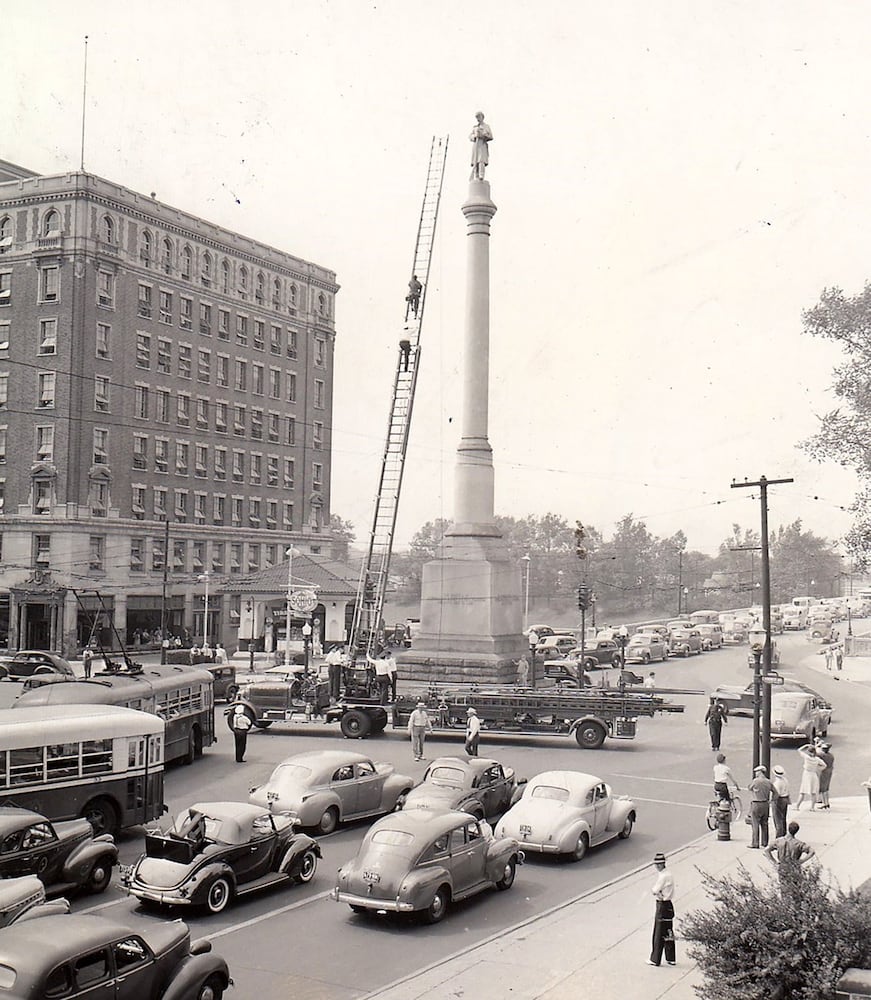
(597, 944)
(856, 669)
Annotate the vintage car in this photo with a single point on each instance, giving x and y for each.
(712, 636)
(24, 898)
(225, 684)
(733, 631)
(798, 715)
(644, 647)
(476, 785)
(35, 664)
(326, 787)
(597, 653)
(822, 631)
(86, 955)
(418, 861)
(555, 646)
(216, 851)
(654, 629)
(739, 700)
(66, 857)
(280, 695)
(794, 619)
(567, 812)
(685, 641)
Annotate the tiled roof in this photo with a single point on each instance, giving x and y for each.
(326, 575)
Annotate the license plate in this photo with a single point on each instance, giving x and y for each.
(271, 796)
(371, 878)
(125, 872)
(525, 831)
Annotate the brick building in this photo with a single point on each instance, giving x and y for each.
(165, 411)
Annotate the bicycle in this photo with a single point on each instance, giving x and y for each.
(713, 810)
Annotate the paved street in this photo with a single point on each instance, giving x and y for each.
(666, 769)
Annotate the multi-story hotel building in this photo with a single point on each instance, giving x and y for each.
(155, 370)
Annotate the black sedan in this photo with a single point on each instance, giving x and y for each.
(218, 850)
(28, 664)
(85, 955)
(67, 856)
(476, 785)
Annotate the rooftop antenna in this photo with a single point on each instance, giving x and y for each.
(84, 95)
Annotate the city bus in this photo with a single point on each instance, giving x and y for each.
(93, 761)
(179, 694)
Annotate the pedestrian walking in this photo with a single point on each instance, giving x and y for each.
(523, 672)
(663, 921)
(333, 660)
(839, 657)
(716, 718)
(828, 656)
(789, 850)
(473, 732)
(810, 775)
(87, 656)
(824, 752)
(761, 792)
(241, 725)
(418, 726)
(780, 802)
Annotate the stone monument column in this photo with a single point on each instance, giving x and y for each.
(470, 597)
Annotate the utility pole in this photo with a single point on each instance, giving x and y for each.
(764, 743)
(164, 641)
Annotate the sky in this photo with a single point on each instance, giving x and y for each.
(676, 182)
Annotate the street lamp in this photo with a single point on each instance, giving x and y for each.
(306, 644)
(250, 603)
(290, 553)
(622, 638)
(686, 600)
(204, 578)
(526, 560)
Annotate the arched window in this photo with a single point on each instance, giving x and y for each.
(292, 296)
(145, 247)
(187, 263)
(322, 304)
(243, 282)
(51, 224)
(276, 293)
(206, 272)
(166, 256)
(225, 277)
(260, 293)
(108, 231)
(5, 233)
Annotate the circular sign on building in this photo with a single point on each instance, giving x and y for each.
(303, 601)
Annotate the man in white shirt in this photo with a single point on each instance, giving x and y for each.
(663, 924)
(333, 660)
(382, 677)
(473, 732)
(722, 777)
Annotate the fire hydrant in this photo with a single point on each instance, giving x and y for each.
(724, 820)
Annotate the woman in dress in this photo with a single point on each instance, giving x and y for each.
(812, 765)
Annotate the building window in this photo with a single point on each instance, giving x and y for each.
(205, 319)
(219, 509)
(271, 523)
(161, 455)
(257, 380)
(3, 438)
(187, 263)
(185, 362)
(292, 297)
(47, 336)
(199, 518)
(318, 435)
(239, 421)
(49, 284)
(221, 418)
(104, 335)
(44, 444)
(323, 304)
(160, 503)
(243, 283)
(319, 395)
(272, 431)
(291, 344)
(181, 507)
(220, 463)
(275, 383)
(269, 553)
(185, 313)
(222, 376)
(236, 512)
(289, 473)
(206, 270)
(101, 446)
(165, 307)
(144, 306)
(5, 328)
(137, 555)
(140, 452)
(223, 324)
(161, 406)
(317, 476)
(201, 461)
(288, 515)
(143, 350)
(101, 393)
(291, 387)
(276, 293)
(253, 556)
(275, 340)
(202, 413)
(259, 341)
(158, 550)
(320, 352)
(4, 390)
(225, 277)
(5, 288)
(272, 470)
(260, 290)
(42, 497)
(256, 469)
(42, 550)
(183, 409)
(47, 381)
(97, 551)
(235, 557)
(218, 556)
(198, 549)
(105, 290)
(182, 451)
(98, 497)
(179, 554)
(138, 504)
(242, 331)
(108, 229)
(145, 248)
(51, 224)
(5, 234)
(164, 356)
(290, 436)
(166, 256)
(256, 424)
(204, 366)
(240, 383)
(238, 466)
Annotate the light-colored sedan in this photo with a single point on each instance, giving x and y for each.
(567, 812)
(644, 647)
(327, 787)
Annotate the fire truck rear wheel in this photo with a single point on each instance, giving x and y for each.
(355, 725)
(590, 735)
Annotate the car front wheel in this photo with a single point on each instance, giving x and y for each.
(99, 876)
(308, 865)
(438, 907)
(211, 989)
(218, 895)
(626, 832)
(508, 873)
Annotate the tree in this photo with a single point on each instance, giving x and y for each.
(845, 432)
(343, 537)
(799, 557)
(789, 937)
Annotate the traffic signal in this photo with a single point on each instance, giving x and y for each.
(585, 597)
(580, 535)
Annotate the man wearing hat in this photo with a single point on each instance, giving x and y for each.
(825, 754)
(473, 732)
(761, 792)
(781, 799)
(663, 923)
(241, 723)
(418, 725)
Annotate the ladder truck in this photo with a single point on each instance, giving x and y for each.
(372, 588)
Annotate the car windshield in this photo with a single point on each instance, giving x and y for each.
(292, 773)
(446, 776)
(550, 792)
(639, 640)
(392, 838)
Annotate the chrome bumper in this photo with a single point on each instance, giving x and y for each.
(352, 899)
(166, 898)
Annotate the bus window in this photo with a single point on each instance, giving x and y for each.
(96, 756)
(62, 761)
(25, 765)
